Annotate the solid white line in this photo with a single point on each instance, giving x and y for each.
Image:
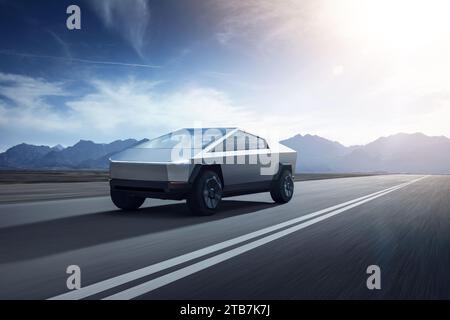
(196, 267)
(146, 271)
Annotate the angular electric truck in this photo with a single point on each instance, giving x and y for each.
(202, 166)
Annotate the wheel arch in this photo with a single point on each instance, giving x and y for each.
(199, 168)
(283, 166)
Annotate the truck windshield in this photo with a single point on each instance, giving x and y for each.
(186, 138)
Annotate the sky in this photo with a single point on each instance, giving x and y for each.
(347, 70)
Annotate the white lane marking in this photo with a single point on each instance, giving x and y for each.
(196, 267)
(160, 266)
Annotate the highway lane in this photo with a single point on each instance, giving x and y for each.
(404, 231)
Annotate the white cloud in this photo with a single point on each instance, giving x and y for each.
(31, 89)
(131, 108)
(134, 108)
(24, 104)
(130, 18)
(264, 21)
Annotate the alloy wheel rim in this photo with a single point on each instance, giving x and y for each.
(212, 192)
(288, 186)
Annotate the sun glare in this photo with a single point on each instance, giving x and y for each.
(393, 24)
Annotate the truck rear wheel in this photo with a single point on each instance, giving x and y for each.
(282, 189)
(126, 201)
(206, 194)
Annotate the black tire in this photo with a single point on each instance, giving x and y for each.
(206, 194)
(126, 201)
(282, 189)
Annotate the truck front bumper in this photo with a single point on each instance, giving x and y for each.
(152, 189)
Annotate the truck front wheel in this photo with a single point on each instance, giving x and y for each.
(126, 201)
(206, 194)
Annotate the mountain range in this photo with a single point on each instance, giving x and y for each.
(399, 153)
(83, 155)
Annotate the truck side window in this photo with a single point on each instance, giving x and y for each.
(241, 141)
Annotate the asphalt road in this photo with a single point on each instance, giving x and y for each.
(317, 246)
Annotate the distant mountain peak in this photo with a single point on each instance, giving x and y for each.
(58, 147)
(84, 142)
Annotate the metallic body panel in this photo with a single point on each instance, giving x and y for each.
(150, 171)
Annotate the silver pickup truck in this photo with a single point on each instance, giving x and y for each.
(202, 166)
